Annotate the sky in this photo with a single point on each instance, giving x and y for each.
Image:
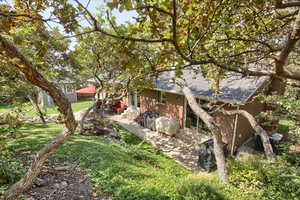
(93, 7)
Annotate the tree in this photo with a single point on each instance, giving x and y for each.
(116, 67)
(219, 36)
(10, 55)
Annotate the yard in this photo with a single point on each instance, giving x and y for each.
(127, 168)
(29, 111)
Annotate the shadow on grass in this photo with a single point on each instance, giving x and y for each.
(30, 126)
(133, 170)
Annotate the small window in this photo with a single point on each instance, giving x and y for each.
(162, 97)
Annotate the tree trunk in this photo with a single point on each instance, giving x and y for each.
(258, 129)
(84, 116)
(209, 121)
(37, 109)
(22, 64)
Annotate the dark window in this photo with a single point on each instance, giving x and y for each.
(161, 97)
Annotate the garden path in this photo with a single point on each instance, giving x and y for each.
(182, 148)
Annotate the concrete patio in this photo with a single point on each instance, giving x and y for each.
(182, 148)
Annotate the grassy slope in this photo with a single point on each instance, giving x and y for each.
(134, 170)
(130, 170)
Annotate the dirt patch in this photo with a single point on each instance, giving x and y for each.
(103, 128)
(63, 179)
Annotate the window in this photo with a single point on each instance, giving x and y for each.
(161, 98)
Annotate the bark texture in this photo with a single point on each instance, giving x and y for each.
(216, 132)
(258, 129)
(37, 109)
(84, 116)
(35, 78)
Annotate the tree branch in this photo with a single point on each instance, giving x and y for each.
(214, 129)
(155, 8)
(279, 4)
(97, 28)
(288, 48)
(258, 129)
(35, 78)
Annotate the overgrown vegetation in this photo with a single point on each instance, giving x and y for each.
(259, 180)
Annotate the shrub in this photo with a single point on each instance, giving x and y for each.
(10, 170)
(259, 179)
(198, 189)
(7, 133)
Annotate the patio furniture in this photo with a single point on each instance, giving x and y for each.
(118, 108)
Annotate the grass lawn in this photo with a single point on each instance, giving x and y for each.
(132, 170)
(135, 170)
(30, 112)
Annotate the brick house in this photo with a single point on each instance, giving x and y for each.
(236, 92)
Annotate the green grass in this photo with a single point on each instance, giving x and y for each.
(30, 112)
(133, 170)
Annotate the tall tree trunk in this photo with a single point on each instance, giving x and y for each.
(258, 129)
(22, 64)
(37, 108)
(216, 133)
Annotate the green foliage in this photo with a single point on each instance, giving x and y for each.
(133, 169)
(200, 189)
(286, 105)
(261, 180)
(7, 133)
(10, 170)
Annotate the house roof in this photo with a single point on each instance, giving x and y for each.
(88, 90)
(233, 89)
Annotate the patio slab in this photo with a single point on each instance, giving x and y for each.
(183, 148)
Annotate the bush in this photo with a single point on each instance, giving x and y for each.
(263, 180)
(7, 133)
(10, 170)
(198, 189)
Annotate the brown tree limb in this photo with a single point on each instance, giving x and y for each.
(97, 28)
(293, 84)
(258, 129)
(279, 4)
(37, 108)
(35, 78)
(288, 47)
(161, 10)
(215, 131)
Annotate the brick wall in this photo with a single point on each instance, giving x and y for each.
(244, 129)
(173, 108)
